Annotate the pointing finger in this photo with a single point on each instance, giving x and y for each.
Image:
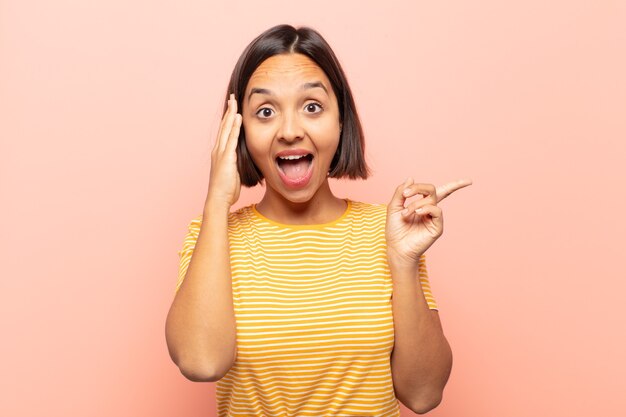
(445, 190)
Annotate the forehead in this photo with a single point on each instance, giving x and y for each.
(286, 71)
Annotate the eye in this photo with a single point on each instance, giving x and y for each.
(311, 107)
(264, 113)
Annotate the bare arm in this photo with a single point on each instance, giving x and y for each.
(200, 328)
(422, 359)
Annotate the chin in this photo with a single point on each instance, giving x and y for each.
(298, 196)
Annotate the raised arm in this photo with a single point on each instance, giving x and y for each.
(200, 328)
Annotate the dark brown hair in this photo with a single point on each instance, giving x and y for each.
(349, 160)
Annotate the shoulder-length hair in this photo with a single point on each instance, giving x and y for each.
(349, 160)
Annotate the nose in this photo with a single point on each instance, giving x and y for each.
(290, 129)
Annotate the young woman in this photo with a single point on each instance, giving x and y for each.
(306, 304)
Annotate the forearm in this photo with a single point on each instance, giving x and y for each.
(200, 326)
(422, 359)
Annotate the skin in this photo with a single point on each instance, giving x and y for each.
(421, 360)
(413, 227)
(290, 117)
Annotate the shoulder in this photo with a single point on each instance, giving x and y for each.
(195, 224)
(240, 218)
(369, 210)
(369, 217)
(235, 218)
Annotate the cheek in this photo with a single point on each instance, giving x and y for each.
(257, 148)
(254, 151)
(327, 138)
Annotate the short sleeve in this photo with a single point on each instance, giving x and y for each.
(423, 277)
(189, 244)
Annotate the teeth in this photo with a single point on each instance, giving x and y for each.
(292, 157)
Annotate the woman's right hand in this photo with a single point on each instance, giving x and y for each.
(224, 181)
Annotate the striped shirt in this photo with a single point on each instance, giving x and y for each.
(313, 313)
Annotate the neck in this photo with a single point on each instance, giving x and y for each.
(323, 207)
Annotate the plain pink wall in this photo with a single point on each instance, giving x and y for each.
(108, 115)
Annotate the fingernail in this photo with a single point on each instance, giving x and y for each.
(406, 191)
(419, 210)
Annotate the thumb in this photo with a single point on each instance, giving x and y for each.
(398, 199)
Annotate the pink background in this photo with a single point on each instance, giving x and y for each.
(108, 116)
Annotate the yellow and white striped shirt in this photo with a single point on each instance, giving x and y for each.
(313, 312)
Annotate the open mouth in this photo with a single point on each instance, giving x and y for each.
(294, 167)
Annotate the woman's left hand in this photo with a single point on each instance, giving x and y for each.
(410, 233)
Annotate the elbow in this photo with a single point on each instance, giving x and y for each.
(201, 365)
(206, 373)
(200, 375)
(425, 404)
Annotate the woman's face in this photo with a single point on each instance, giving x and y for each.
(291, 122)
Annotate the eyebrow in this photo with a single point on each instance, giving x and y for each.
(305, 86)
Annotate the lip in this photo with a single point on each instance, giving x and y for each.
(292, 152)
